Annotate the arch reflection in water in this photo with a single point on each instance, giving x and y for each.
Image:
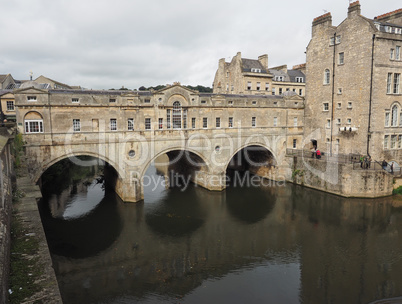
(78, 218)
(171, 212)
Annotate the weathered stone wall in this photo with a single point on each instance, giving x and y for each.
(6, 177)
(339, 178)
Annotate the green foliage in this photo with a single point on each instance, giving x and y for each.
(198, 88)
(397, 191)
(25, 269)
(17, 149)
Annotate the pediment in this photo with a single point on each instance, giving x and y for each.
(30, 90)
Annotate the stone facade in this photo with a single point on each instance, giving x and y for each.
(347, 93)
(129, 129)
(252, 77)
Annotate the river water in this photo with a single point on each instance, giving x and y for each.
(266, 244)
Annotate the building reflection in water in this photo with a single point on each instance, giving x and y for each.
(272, 244)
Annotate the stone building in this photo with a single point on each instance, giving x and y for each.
(285, 80)
(252, 77)
(353, 94)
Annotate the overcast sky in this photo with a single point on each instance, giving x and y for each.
(104, 44)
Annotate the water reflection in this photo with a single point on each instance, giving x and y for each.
(268, 245)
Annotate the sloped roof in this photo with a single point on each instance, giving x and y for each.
(248, 64)
(3, 77)
(296, 73)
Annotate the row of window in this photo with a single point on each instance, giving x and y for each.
(339, 105)
(148, 124)
(395, 53)
(280, 91)
(338, 122)
(393, 87)
(392, 141)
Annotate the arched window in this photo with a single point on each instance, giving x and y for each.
(176, 115)
(327, 76)
(394, 117)
(33, 122)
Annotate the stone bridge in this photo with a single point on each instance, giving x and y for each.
(204, 134)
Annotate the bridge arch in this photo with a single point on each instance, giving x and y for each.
(252, 144)
(53, 161)
(254, 157)
(171, 149)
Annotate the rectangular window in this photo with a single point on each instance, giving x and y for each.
(147, 100)
(112, 100)
(398, 53)
(391, 56)
(389, 83)
(326, 106)
(386, 119)
(338, 39)
(273, 91)
(227, 87)
(147, 123)
(386, 138)
(185, 118)
(113, 124)
(130, 124)
(397, 76)
(300, 92)
(75, 100)
(328, 123)
(33, 126)
(76, 125)
(349, 104)
(294, 143)
(249, 85)
(160, 123)
(275, 121)
(10, 105)
(230, 124)
(332, 41)
(31, 98)
(253, 122)
(280, 91)
(393, 141)
(168, 118)
(341, 58)
(218, 122)
(339, 105)
(399, 141)
(266, 86)
(349, 121)
(295, 122)
(205, 122)
(338, 121)
(193, 122)
(258, 86)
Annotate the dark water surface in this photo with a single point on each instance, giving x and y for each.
(268, 244)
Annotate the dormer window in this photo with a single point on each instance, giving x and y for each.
(112, 100)
(299, 79)
(279, 78)
(256, 70)
(203, 101)
(31, 98)
(75, 100)
(147, 100)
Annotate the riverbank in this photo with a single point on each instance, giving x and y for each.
(32, 277)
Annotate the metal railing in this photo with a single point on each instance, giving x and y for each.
(338, 158)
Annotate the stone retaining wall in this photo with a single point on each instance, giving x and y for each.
(340, 178)
(6, 179)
